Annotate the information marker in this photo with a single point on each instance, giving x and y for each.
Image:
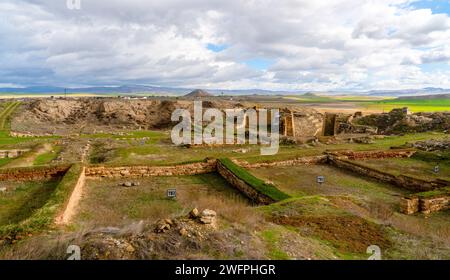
(320, 180)
(171, 193)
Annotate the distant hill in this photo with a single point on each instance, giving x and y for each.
(425, 97)
(410, 92)
(198, 93)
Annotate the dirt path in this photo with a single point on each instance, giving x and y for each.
(71, 209)
(27, 159)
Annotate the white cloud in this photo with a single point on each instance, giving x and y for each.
(315, 45)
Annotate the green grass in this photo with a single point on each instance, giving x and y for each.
(5, 138)
(47, 157)
(434, 193)
(272, 239)
(106, 203)
(9, 108)
(45, 215)
(410, 167)
(24, 200)
(292, 152)
(414, 105)
(5, 161)
(258, 184)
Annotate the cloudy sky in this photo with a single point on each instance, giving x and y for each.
(268, 44)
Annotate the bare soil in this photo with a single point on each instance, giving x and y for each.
(347, 233)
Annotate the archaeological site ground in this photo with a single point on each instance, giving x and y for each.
(102, 174)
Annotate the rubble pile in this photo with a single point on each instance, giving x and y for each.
(400, 121)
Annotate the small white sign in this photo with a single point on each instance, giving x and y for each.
(320, 179)
(171, 193)
(436, 169)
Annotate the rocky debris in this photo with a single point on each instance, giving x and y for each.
(183, 232)
(400, 121)
(89, 115)
(354, 128)
(431, 145)
(164, 225)
(85, 152)
(241, 151)
(194, 214)
(208, 216)
(362, 140)
(130, 184)
(287, 140)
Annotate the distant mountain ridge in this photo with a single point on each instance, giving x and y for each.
(157, 90)
(410, 92)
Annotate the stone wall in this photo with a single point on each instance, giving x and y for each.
(243, 187)
(30, 174)
(12, 153)
(411, 205)
(28, 134)
(293, 162)
(428, 205)
(403, 181)
(149, 171)
(361, 155)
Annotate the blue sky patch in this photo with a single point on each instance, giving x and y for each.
(437, 6)
(259, 63)
(216, 48)
(432, 67)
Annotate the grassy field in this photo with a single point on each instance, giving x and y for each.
(385, 104)
(157, 149)
(7, 141)
(21, 200)
(47, 157)
(302, 180)
(108, 204)
(414, 105)
(412, 167)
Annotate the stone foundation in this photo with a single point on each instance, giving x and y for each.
(12, 153)
(298, 161)
(411, 205)
(243, 187)
(361, 155)
(31, 174)
(435, 204)
(402, 181)
(150, 171)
